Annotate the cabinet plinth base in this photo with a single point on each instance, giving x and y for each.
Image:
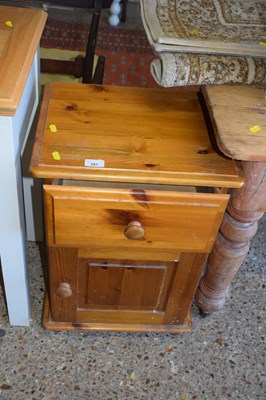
(49, 324)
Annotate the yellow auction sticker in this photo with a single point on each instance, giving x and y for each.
(53, 128)
(255, 129)
(56, 155)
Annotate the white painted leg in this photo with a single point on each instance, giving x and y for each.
(32, 188)
(12, 227)
(115, 9)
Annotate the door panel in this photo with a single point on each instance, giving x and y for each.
(123, 285)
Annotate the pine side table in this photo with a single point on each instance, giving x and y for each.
(134, 197)
(20, 33)
(238, 116)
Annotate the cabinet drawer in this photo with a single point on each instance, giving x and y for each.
(132, 218)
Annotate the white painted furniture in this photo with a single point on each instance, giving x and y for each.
(20, 32)
(115, 9)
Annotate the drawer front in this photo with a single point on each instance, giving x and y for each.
(135, 219)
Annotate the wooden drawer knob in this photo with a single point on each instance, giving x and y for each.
(134, 231)
(64, 290)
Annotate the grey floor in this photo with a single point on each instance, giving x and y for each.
(223, 357)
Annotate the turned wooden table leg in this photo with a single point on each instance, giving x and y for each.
(245, 209)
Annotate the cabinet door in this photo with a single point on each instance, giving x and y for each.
(123, 285)
(122, 294)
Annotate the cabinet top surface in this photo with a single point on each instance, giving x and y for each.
(108, 133)
(20, 33)
(239, 119)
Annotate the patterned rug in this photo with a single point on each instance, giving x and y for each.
(128, 52)
(221, 26)
(206, 41)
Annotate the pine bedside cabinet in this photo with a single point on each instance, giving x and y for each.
(134, 197)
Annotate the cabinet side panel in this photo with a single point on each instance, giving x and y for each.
(188, 274)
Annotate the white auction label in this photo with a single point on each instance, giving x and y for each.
(94, 163)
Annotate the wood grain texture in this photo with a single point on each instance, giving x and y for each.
(4, 36)
(64, 270)
(151, 136)
(98, 217)
(99, 280)
(189, 270)
(239, 226)
(252, 196)
(124, 294)
(234, 110)
(18, 50)
(229, 251)
(126, 252)
(126, 242)
(50, 324)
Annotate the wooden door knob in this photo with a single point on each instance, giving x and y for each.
(134, 231)
(64, 290)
